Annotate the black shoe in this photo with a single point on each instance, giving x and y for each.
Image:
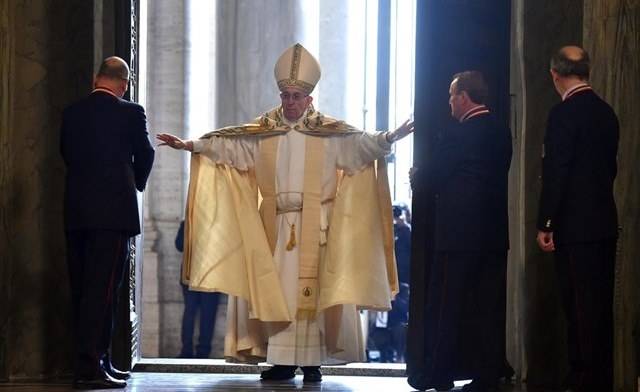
(508, 374)
(419, 382)
(100, 381)
(279, 372)
(444, 387)
(312, 374)
(481, 386)
(107, 366)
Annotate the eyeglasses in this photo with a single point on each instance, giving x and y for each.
(295, 96)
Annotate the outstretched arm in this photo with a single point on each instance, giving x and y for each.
(357, 150)
(174, 142)
(237, 151)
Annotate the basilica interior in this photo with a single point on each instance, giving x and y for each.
(200, 65)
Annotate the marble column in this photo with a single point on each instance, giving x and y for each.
(333, 86)
(612, 38)
(166, 105)
(250, 36)
(46, 63)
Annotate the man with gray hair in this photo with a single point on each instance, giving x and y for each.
(108, 156)
(467, 274)
(577, 218)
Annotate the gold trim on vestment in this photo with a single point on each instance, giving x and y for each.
(310, 228)
(189, 221)
(265, 176)
(272, 123)
(386, 214)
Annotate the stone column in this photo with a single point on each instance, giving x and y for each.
(612, 38)
(250, 37)
(334, 22)
(166, 102)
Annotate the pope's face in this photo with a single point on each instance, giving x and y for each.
(294, 102)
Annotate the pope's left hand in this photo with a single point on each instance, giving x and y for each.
(402, 131)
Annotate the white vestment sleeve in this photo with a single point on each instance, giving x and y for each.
(235, 151)
(355, 151)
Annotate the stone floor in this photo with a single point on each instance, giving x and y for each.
(199, 382)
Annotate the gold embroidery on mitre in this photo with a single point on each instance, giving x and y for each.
(295, 62)
(306, 87)
(296, 67)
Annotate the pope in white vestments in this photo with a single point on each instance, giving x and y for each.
(291, 216)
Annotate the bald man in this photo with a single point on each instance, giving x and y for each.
(108, 155)
(577, 217)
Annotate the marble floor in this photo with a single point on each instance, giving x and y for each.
(199, 382)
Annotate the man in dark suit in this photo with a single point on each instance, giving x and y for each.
(466, 297)
(402, 242)
(106, 149)
(578, 218)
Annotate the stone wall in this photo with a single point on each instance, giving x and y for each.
(6, 59)
(46, 63)
(612, 38)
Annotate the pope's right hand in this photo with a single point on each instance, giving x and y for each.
(173, 141)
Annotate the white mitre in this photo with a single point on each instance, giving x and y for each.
(296, 67)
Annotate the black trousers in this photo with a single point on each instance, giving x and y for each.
(96, 261)
(586, 276)
(465, 317)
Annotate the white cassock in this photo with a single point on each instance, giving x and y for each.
(301, 343)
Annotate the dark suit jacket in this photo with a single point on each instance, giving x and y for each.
(469, 173)
(402, 246)
(106, 148)
(579, 167)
